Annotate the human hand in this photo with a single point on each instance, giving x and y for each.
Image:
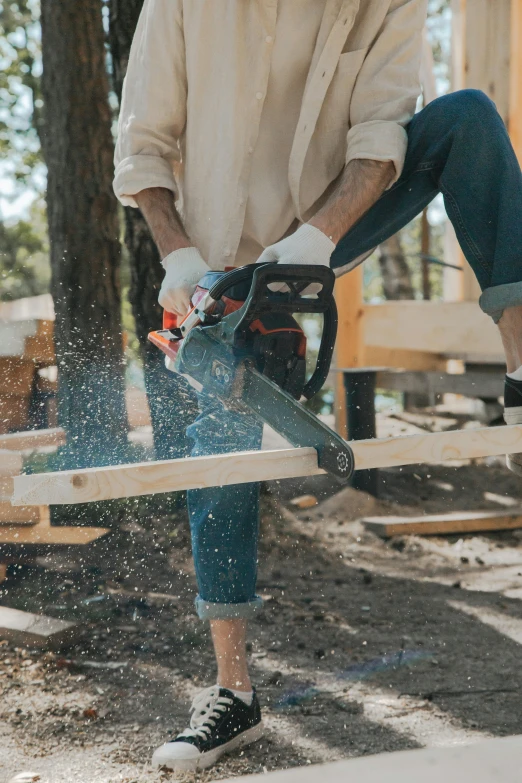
(184, 268)
(308, 245)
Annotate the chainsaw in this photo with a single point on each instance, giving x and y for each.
(241, 342)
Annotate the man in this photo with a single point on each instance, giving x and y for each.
(285, 131)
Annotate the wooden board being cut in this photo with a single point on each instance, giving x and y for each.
(84, 486)
(35, 630)
(440, 524)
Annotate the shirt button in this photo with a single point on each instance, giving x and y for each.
(259, 95)
(269, 39)
(227, 252)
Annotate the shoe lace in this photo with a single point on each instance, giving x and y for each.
(206, 708)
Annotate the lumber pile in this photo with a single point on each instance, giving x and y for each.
(26, 529)
(26, 349)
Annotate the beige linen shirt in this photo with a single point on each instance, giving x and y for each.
(196, 85)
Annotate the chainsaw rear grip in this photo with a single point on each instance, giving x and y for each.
(260, 299)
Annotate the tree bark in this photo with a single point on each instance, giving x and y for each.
(172, 402)
(396, 276)
(84, 236)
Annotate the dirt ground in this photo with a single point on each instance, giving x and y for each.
(364, 646)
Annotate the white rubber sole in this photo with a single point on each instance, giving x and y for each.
(514, 466)
(209, 758)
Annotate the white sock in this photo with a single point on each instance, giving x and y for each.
(245, 696)
(517, 375)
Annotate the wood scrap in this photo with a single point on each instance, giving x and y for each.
(444, 524)
(35, 630)
(304, 501)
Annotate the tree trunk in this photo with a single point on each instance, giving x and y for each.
(396, 276)
(83, 230)
(172, 402)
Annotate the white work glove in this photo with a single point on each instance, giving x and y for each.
(308, 245)
(184, 268)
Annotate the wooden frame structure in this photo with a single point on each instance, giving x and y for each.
(486, 55)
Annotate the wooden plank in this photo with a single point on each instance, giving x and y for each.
(28, 515)
(14, 335)
(32, 439)
(40, 346)
(6, 488)
(487, 761)
(47, 535)
(402, 359)
(40, 307)
(436, 524)
(16, 376)
(453, 328)
(14, 413)
(146, 478)
(84, 486)
(3, 572)
(11, 463)
(35, 630)
(470, 384)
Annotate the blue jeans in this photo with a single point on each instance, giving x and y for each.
(458, 145)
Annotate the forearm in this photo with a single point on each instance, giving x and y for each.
(158, 208)
(361, 184)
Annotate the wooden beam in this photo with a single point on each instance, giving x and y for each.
(146, 478)
(32, 439)
(445, 524)
(450, 328)
(402, 359)
(35, 630)
(37, 535)
(515, 87)
(349, 347)
(470, 384)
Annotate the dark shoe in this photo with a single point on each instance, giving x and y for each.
(513, 415)
(220, 723)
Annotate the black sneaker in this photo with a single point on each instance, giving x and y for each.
(513, 415)
(220, 723)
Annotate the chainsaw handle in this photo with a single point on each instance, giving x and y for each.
(325, 353)
(261, 299)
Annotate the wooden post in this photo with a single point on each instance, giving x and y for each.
(482, 60)
(350, 337)
(515, 86)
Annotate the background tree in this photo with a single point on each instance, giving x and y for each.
(84, 233)
(171, 401)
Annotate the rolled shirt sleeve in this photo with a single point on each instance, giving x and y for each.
(387, 87)
(153, 106)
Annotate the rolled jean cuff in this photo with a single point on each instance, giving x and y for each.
(496, 299)
(212, 610)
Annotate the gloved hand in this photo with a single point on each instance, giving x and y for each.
(308, 245)
(184, 268)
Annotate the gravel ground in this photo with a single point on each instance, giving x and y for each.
(365, 646)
